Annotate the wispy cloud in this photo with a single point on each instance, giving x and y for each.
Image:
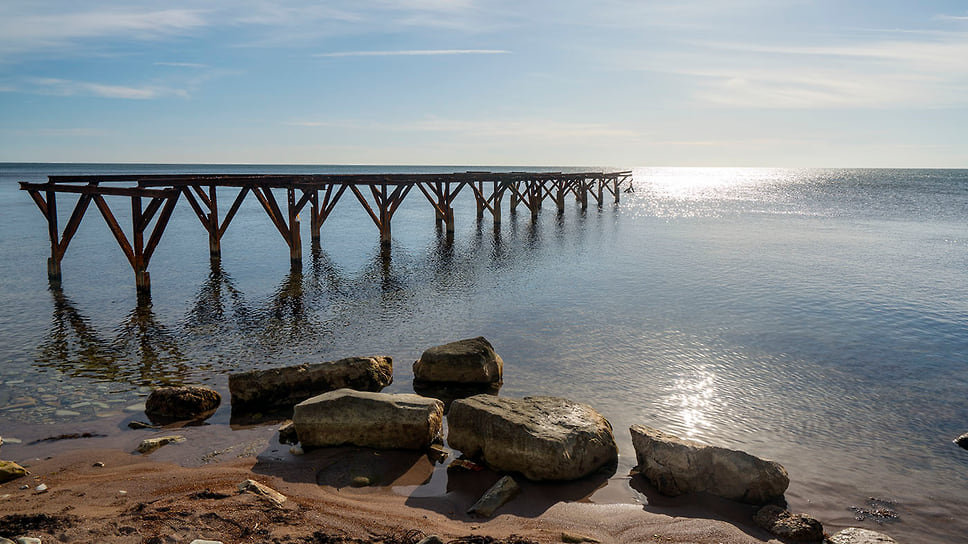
(65, 87)
(181, 64)
(61, 31)
(414, 53)
(517, 128)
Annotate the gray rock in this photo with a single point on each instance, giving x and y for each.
(28, 540)
(11, 471)
(471, 361)
(282, 388)
(149, 445)
(543, 438)
(500, 493)
(254, 487)
(167, 404)
(854, 535)
(677, 466)
(372, 420)
(962, 441)
(792, 527)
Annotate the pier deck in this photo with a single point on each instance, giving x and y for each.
(153, 198)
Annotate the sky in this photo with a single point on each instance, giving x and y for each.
(609, 83)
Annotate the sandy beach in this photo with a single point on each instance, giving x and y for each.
(99, 490)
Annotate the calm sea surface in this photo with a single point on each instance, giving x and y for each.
(814, 317)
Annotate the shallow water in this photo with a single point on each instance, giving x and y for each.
(815, 317)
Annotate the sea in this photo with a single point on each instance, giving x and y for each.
(816, 317)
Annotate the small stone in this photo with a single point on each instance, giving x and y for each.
(287, 433)
(98, 465)
(42, 488)
(962, 441)
(28, 540)
(855, 535)
(25, 486)
(500, 493)
(793, 527)
(200, 541)
(296, 450)
(122, 492)
(11, 471)
(572, 538)
(362, 481)
(142, 425)
(151, 444)
(252, 486)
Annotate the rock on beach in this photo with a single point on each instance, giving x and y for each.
(282, 388)
(855, 535)
(677, 466)
(368, 419)
(470, 361)
(793, 527)
(167, 404)
(543, 438)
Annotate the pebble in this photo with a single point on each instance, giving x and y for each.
(296, 450)
(28, 540)
(98, 465)
(361, 481)
(151, 444)
(122, 492)
(25, 486)
(42, 488)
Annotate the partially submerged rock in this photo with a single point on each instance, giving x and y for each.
(11, 471)
(471, 361)
(366, 419)
(282, 388)
(676, 466)
(168, 404)
(793, 527)
(543, 438)
(500, 493)
(962, 441)
(287, 433)
(151, 444)
(854, 535)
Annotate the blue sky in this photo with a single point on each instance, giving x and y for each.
(470, 82)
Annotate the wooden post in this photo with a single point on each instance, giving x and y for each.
(498, 196)
(53, 263)
(142, 279)
(513, 200)
(560, 191)
(601, 191)
(295, 241)
(214, 236)
(615, 186)
(315, 225)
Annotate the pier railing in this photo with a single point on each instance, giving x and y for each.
(153, 198)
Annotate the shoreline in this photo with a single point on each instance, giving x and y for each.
(189, 490)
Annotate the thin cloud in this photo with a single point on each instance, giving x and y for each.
(65, 87)
(181, 64)
(413, 53)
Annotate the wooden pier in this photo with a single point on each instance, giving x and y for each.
(153, 199)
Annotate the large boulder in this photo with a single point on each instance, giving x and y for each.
(167, 404)
(543, 438)
(366, 419)
(282, 388)
(471, 361)
(676, 466)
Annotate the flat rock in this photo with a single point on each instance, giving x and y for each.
(676, 466)
(854, 535)
(366, 419)
(543, 438)
(149, 445)
(793, 527)
(168, 404)
(254, 487)
(282, 388)
(11, 471)
(495, 497)
(470, 361)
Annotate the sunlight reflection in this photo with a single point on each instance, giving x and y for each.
(693, 398)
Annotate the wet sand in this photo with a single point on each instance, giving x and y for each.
(190, 490)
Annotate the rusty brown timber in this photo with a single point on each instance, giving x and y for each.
(320, 191)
